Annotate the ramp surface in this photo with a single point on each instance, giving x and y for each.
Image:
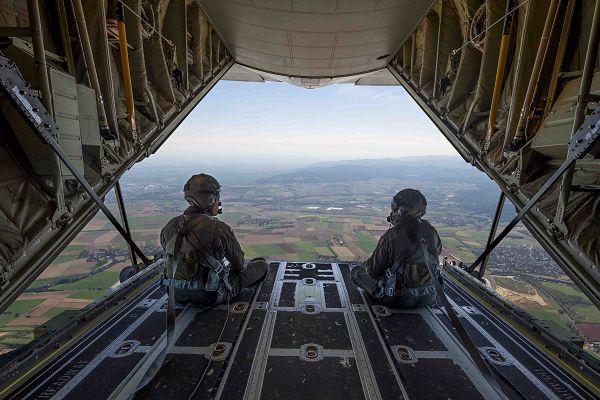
(305, 332)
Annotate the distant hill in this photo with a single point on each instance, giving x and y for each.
(443, 168)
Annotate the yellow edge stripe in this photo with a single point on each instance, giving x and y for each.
(539, 344)
(63, 348)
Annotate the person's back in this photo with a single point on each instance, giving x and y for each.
(397, 272)
(210, 267)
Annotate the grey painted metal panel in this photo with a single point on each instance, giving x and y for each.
(64, 99)
(317, 39)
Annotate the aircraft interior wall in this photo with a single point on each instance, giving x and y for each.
(468, 57)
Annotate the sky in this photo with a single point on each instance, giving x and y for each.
(281, 123)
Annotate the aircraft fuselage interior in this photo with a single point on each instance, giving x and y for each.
(90, 88)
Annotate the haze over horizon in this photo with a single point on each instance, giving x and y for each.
(266, 123)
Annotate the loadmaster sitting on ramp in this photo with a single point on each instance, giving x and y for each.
(396, 272)
(210, 267)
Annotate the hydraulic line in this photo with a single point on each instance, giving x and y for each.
(540, 58)
(88, 57)
(35, 22)
(502, 58)
(584, 139)
(125, 65)
(582, 102)
(560, 54)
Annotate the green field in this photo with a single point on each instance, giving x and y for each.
(23, 306)
(557, 323)
(88, 294)
(53, 312)
(337, 226)
(103, 280)
(40, 282)
(563, 291)
(5, 319)
(451, 242)
(463, 255)
(308, 256)
(366, 242)
(61, 258)
(249, 252)
(266, 250)
(324, 251)
(514, 284)
(230, 217)
(573, 300)
(586, 313)
(310, 245)
(76, 247)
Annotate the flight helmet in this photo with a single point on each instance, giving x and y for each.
(202, 190)
(409, 202)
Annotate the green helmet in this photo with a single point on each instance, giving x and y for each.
(411, 202)
(202, 190)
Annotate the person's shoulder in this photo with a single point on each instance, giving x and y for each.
(172, 223)
(222, 227)
(393, 234)
(428, 228)
(170, 229)
(427, 224)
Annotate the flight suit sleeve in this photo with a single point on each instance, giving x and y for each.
(233, 249)
(162, 238)
(381, 259)
(165, 235)
(438, 244)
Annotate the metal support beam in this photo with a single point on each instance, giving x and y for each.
(125, 222)
(413, 52)
(560, 54)
(582, 102)
(65, 36)
(40, 254)
(90, 191)
(437, 51)
(210, 51)
(126, 70)
(90, 66)
(175, 28)
(579, 145)
(45, 128)
(569, 258)
(39, 55)
(534, 81)
(499, 80)
(493, 230)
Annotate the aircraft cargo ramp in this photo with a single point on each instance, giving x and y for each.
(305, 332)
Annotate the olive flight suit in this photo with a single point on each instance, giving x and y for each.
(401, 244)
(215, 238)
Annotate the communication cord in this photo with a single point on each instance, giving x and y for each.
(170, 43)
(483, 32)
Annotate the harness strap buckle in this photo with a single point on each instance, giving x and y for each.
(217, 267)
(388, 273)
(165, 282)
